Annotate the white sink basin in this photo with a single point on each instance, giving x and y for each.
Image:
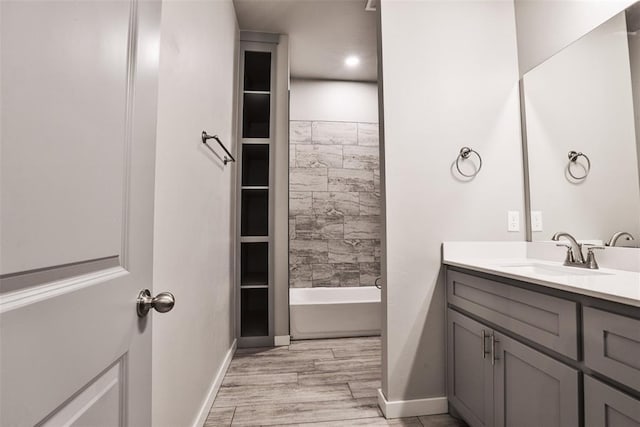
(536, 268)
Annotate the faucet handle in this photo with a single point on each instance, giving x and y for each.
(591, 246)
(570, 257)
(591, 258)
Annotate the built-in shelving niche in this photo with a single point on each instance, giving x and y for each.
(255, 234)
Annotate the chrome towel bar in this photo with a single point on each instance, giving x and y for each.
(206, 137)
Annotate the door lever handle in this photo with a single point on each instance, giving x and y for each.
(162, 303)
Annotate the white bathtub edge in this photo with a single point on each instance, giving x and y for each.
(336, 302)
(316, 313)
(412, 408)
(326, 295)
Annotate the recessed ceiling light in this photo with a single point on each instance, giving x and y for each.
(352, 61)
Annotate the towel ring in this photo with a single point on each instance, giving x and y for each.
(465, 152)
(573, 158)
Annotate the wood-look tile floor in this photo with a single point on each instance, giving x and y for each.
(318, 383)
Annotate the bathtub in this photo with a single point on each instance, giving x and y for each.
(334, 312)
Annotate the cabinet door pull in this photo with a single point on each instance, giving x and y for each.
(483, 337)
(494, 357)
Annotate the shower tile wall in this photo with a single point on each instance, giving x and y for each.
(334, 204)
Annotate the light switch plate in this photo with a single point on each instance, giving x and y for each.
(536, 220)
(513, 221)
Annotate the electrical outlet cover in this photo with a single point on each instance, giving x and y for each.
(536, 220)
(513, 221)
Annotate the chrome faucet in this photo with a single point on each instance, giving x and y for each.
(574, 253)
(574, 257)
(616, 236)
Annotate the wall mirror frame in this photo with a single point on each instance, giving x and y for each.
(580, 112)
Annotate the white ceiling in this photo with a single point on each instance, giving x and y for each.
(322, 33)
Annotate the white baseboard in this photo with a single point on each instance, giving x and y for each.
(412, 408)
(280, 340)
(215, 386)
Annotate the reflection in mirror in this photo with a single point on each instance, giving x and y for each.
(586, 100)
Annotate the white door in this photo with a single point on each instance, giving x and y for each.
(78, 121)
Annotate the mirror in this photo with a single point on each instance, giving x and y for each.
(582, 138)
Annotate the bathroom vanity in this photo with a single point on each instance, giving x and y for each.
(533, 343)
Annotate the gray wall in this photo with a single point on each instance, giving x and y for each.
(450, 72)
(334, 101)
(334, 204)
(194, 230)
(545, 27)
(634, 58)
(450, 77)
(281, 186)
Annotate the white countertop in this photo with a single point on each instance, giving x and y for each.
(534, 263)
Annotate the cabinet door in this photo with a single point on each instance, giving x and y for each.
(469, 370)
(532, 389)
(606, 406)
(612, 346)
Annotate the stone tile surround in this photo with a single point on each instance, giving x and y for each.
(334, 204)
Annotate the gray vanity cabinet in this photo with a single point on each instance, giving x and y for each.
(522, 387)
(497, 381)
(519, 356)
